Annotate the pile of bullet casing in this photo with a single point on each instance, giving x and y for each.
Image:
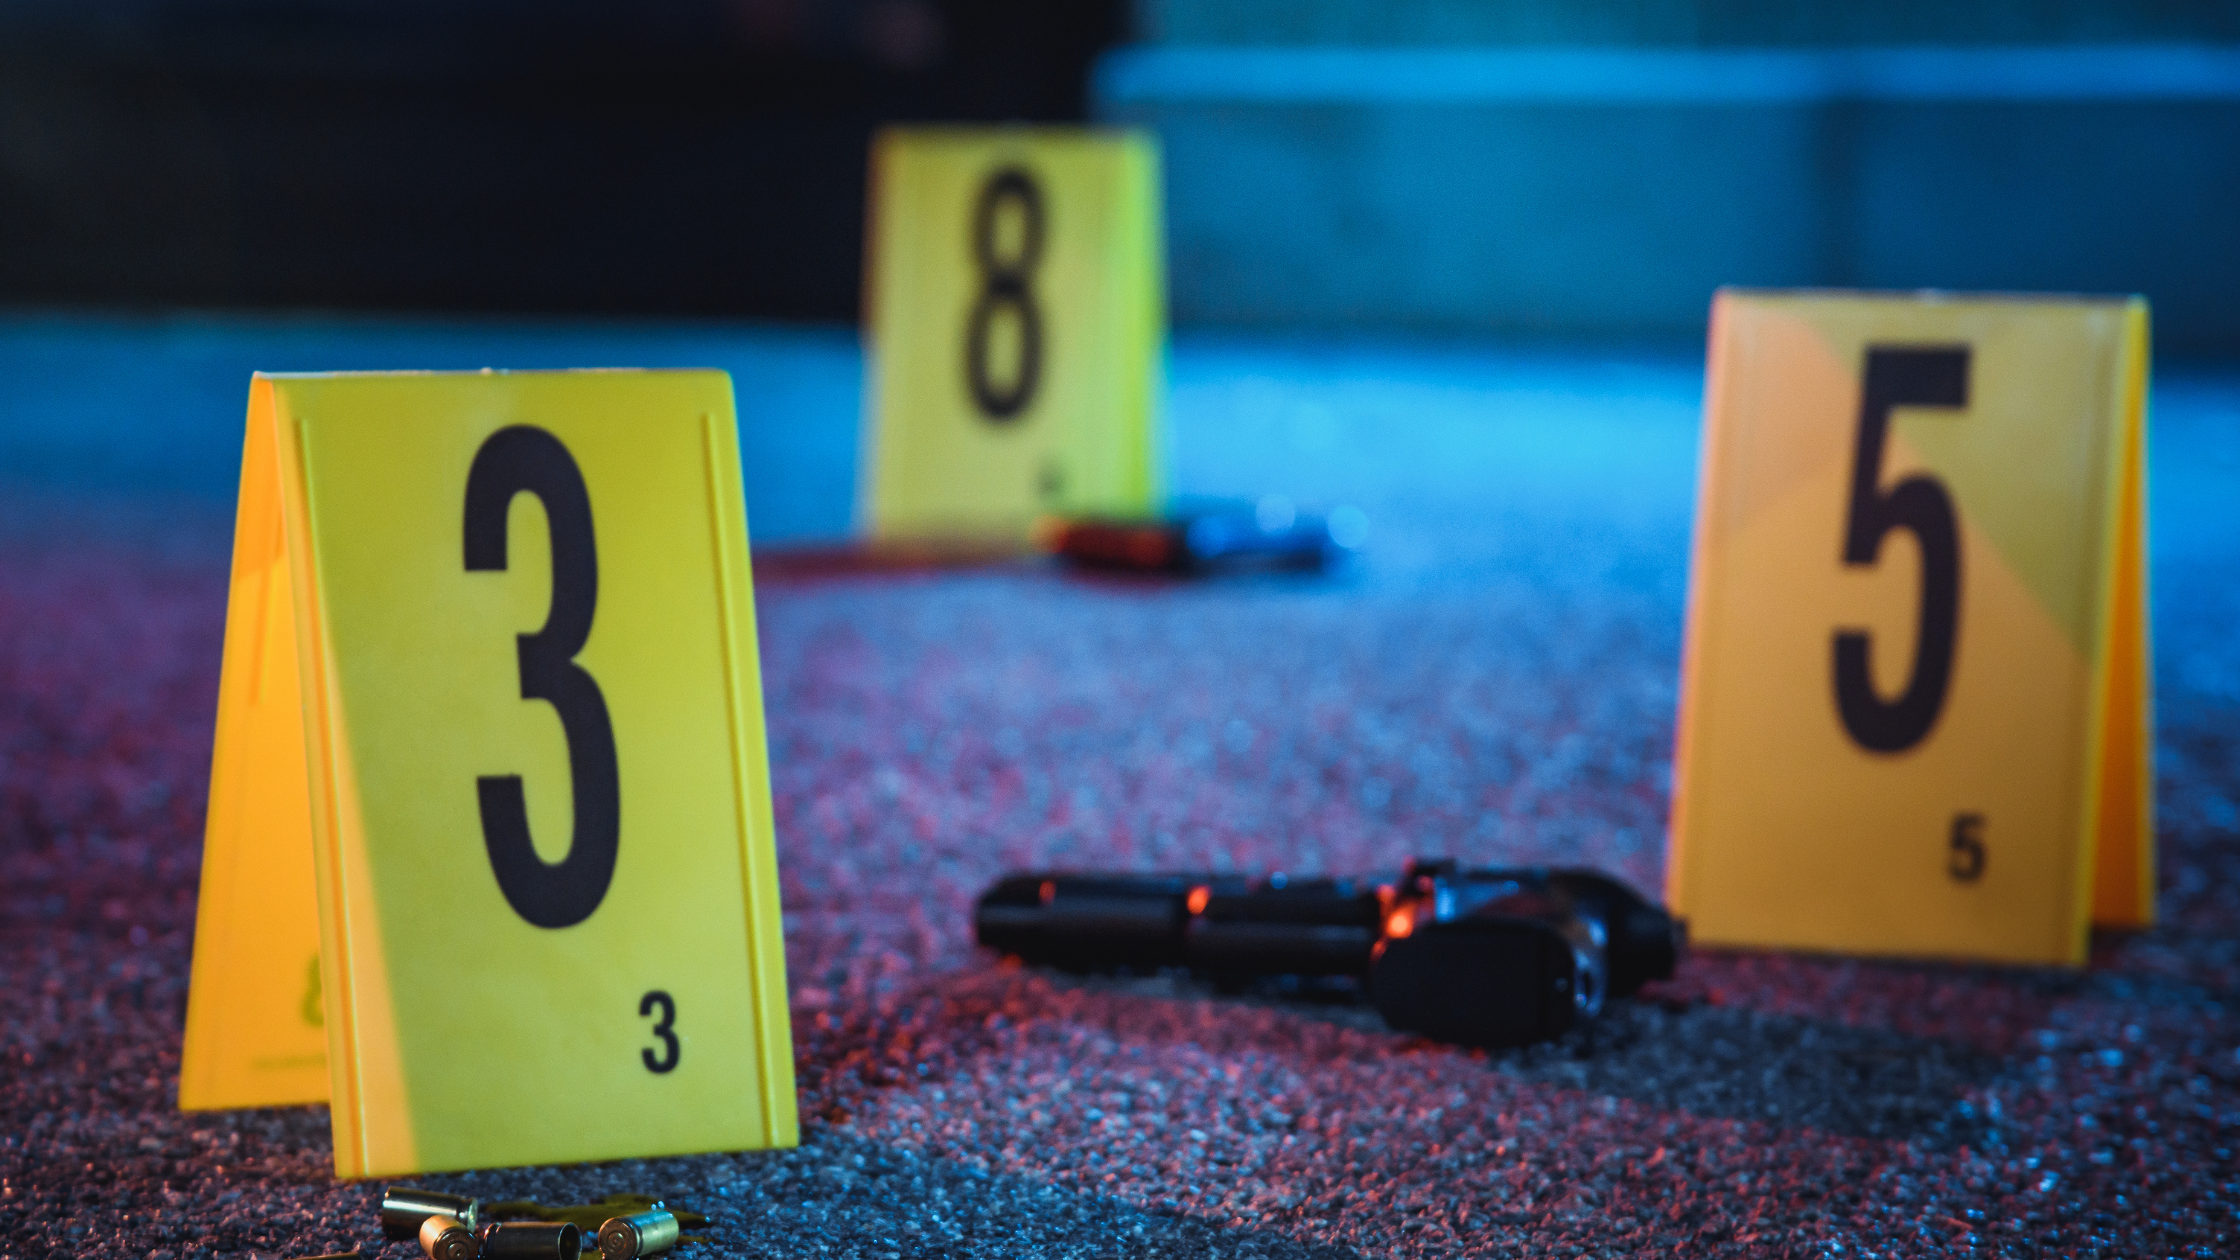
(448, 1227)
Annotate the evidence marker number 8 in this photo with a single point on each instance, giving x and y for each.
(1006, 284)
(1906, 376)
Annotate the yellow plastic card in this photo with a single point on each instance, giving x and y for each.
(489, 860)
(1915, 716)
(1015, 317)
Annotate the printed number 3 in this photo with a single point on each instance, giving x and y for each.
(664, 1028)
(1902, 376)
(525, 460)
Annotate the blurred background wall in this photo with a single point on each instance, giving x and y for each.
(1569, 167)
(1599, 166)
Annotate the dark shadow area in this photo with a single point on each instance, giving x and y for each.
(1697, 1058)
(848, 1196)
(1776, 1069)
(675, 156)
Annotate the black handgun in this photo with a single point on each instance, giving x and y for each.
(1204, 537)
(1497, 957)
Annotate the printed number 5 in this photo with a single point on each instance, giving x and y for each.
(1966, 861)
(525, 460)
(664, 1028)
(1902, 376)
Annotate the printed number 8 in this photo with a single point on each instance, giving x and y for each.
(526, 460)
(1902, 376)
(1004, 286)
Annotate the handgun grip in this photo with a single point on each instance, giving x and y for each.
(1491, 981)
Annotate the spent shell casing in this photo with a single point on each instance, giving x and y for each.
(446, 1238)
(404, 1207)
(530, 1240)
(638, 1234)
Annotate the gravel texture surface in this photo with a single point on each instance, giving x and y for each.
(1495, 680)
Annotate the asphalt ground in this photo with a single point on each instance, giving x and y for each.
(1494, 679)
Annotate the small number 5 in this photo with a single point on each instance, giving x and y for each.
(663, 1028)
(1966, 864)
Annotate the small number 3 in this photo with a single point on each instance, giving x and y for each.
(1966, 861)
(664, 1028)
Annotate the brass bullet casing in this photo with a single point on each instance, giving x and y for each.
(638, 1234)
(445, 1238)
(531, 1240)
(404, 1207)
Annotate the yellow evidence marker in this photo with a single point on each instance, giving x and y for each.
(1015, 325)
(489, 860)
(1915, 714)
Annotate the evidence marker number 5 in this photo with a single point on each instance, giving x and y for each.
(1848, 731)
